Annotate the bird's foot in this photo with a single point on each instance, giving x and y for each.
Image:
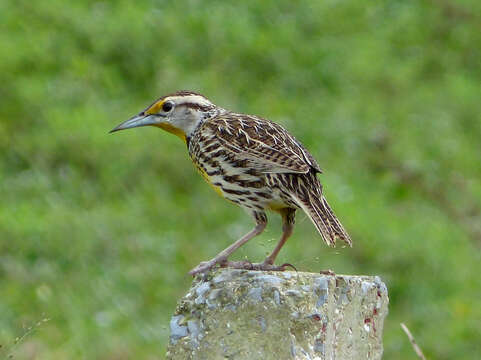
(247, 265)
(206, 266)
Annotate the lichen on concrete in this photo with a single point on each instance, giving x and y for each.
(240, 314)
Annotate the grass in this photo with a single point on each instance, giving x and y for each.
(98, 231)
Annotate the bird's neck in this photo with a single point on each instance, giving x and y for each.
(203, 117)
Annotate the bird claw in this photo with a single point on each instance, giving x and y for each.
(289, 265)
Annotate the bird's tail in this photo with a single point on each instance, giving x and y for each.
(324, 219)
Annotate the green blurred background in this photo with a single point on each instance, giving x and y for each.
(98, 231)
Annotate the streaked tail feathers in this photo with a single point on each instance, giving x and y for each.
(324, 219)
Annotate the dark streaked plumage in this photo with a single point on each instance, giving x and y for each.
(250, 161)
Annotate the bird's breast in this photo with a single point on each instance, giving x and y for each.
(209, 180)
(233, 177)
(229, 179)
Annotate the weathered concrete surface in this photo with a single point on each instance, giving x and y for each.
(239, 314)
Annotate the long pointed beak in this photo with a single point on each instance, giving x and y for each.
(138, 120)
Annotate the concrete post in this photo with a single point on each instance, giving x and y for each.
(239, 314)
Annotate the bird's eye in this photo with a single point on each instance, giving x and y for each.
(167, 106)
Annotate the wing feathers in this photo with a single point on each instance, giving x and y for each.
(266, 146)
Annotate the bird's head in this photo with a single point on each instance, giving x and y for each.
(179, 113)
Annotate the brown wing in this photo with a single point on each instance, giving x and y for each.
(267, 146)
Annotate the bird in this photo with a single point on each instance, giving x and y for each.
(253, 162)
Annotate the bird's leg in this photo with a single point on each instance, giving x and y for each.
(221, 258)
(288, 221)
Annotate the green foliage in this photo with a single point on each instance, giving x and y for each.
(98, 231)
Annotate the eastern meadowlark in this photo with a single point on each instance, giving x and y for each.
(253, 162)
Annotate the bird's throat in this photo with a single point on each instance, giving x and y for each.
(173, 130)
